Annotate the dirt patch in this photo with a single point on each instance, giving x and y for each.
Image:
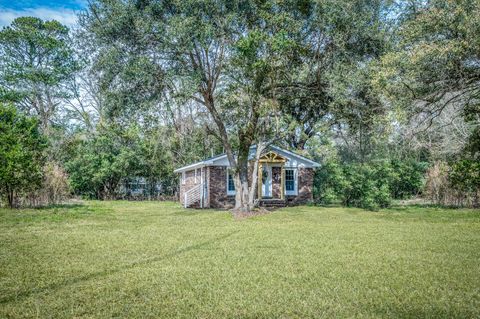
(256, 212)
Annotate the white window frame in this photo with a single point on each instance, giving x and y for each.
(183, 178)
(196, 176)
(295, 182)
(230, 192)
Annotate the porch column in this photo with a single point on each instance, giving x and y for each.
(282, 196)
(259, 182)
(201, 186)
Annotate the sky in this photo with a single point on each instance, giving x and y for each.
(62, 11)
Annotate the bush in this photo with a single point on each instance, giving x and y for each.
(370, 185)
(437, 187)
(329, 183)
(465, 177)
(409, 179)
(102, 162)
(21, 154)
(54, 189)
(456, 184)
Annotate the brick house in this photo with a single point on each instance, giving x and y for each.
(284, 178)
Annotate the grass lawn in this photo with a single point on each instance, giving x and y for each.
(150, 259)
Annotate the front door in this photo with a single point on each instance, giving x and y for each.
(266, 181)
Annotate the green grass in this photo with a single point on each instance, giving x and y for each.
(150, 259)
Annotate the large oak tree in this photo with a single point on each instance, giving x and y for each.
(252, 66)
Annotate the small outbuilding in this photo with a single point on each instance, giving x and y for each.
(284, 178)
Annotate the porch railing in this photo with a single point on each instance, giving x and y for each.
(193, 196)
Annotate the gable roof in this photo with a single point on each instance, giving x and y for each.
(293, 160)
(278, 149)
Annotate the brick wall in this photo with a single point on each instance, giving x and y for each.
(217, 193)
(305, 187)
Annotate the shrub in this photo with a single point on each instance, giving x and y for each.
(409, 178)
(437, 187)
(329, 183)
(465, 177)
(54, 188)
(21, 154)
(457, 184)
(370, 185)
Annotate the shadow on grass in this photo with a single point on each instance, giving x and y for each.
(429, 208)
(427, 205)
(72, 281)
(60, 206)
(186, 212)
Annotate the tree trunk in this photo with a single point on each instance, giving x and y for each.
(11, 198)
(241, 181)
(245, 200)
(253, 189)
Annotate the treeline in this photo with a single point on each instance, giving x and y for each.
(39, 169)
(376, 184)
(385, 94)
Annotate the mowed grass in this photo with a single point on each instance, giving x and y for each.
(158, 260)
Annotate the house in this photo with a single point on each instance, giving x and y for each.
(284, 178)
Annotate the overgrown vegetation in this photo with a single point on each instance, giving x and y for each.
(371, 185)
(454, 184)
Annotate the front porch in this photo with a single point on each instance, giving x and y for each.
(271, 180)
(272, 203)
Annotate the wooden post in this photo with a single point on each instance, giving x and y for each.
(282, 196)
(201, 187)
(259, 182)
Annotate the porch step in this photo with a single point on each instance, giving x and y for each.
(273, 203)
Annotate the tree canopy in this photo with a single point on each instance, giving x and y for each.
(36, 62)
(21, 153)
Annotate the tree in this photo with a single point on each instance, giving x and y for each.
(435, 68)
(246, 63)
(360, 118)
(84, 107)
(223, 55)
(35, 63)
(21, 153)
(339, 39)
(103, 161)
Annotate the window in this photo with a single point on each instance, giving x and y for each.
(230, 184)
(290, 182)
(183, 177)
(197, 175)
